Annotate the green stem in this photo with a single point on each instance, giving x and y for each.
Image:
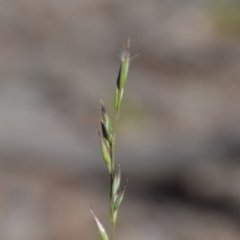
(111, 209)
(112, 155)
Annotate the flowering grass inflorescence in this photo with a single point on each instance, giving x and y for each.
(107, 138)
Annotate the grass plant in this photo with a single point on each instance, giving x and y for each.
(107, 137)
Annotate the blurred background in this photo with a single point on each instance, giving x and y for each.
(179, 130)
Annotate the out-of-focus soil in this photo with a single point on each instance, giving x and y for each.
(179, 130)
